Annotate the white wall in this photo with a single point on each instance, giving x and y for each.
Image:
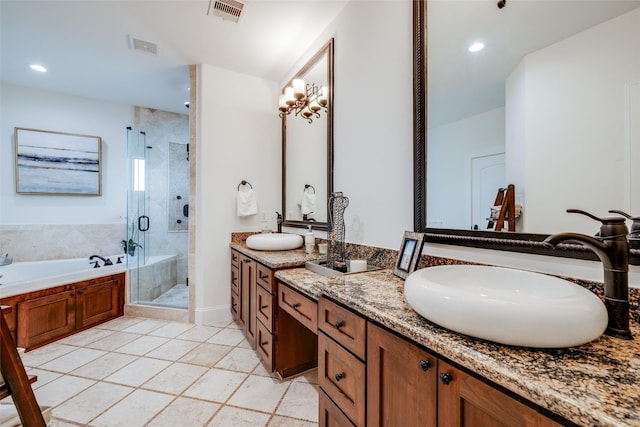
(238, 137)
(30, 108)
(449, 153)
(578, 161)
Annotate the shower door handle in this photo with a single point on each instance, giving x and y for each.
(185, 210)
(143, 223)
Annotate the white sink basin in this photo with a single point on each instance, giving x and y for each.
(274, 241)
(507, 306)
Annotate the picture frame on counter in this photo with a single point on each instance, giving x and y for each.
(409, 254)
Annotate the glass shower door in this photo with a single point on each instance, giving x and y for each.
(137, 242)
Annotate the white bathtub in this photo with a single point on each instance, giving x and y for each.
(21, 277)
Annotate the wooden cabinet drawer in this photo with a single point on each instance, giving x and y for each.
(264, 345)
(235, 258)
(343, 377)
(264, 308)
(264, 277)
(235, 305)
(331, 415)
(344, 326)
(301, 308)
(235, 279)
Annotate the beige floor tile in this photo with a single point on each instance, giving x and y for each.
(142, 345)
(172, 330)
(185, 412)
(206, 354)
(173, 349)
(227, 336)
(45, 354)
(175, 379)
(300, 401)
(55, 422)
(199, 333)
(73, 360)
(120, 324)
(222, 323)
(278, 421)
(104, 366)
(61, 389)
(244, 344)
(239, 359)
(237, 417)
(91, 402)
(134, 411)
(85, 337)
(138, 372)
(309, 377)
(262, 371)
(259, 393)
(216, 385)
(146, 326)
(44, 377)
(114, 341)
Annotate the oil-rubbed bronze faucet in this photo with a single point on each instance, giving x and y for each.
(279, 221)
(612, 248)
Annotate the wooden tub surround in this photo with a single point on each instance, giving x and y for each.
(381, 364)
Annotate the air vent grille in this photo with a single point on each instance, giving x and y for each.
(230, 10)
(145, 46)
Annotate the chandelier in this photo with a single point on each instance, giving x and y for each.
(303, 99)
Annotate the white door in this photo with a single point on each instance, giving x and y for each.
(487, 175)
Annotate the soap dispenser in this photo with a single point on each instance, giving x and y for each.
(310, 241)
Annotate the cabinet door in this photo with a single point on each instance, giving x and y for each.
(331, 415)
(248, 298)
(401, 382)
(466, 401)
(46, 318)
(97, 303)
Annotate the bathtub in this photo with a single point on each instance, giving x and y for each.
(21, 277)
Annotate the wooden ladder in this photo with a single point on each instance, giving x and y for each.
(506, 198)
(15, 380)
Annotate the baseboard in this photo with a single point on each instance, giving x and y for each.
(217, 315)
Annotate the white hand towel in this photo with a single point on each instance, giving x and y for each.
(247, 202)
(308, 202)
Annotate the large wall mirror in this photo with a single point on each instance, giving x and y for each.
(307, 150)
(550, 105)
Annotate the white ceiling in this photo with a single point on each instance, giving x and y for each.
(85, 44)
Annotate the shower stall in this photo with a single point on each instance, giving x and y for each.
(156, 241)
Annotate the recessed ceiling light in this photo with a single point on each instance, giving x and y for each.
(37, 67)
(476, 47)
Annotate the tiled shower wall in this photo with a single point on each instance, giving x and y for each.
(164, 130)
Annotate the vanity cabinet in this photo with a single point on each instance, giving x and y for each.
(397, 383)
(243, 294)
(46, 315)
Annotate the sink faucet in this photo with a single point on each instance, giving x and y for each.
(612, 248)
(105, 262)
(279, 221)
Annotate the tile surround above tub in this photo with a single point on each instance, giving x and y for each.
(38, 242)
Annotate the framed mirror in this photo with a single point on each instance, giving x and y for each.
(307, 148)
(553, 109)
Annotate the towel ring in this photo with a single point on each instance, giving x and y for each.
(243, 182)
(309, 185)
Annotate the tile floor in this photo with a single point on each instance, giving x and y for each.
(146, 372)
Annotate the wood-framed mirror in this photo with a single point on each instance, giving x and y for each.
(580, 144)
(307, 150)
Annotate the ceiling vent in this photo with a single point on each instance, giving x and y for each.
(229, 10)
(145, 46)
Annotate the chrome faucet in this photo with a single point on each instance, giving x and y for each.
(105, 262)
(279, 221)
(612, 248)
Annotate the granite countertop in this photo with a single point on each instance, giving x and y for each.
(595, 384)
(277, 259)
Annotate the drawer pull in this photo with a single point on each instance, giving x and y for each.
(424, 365)
(339, 324)
(262, 344)
(295, 305)
(246, 260)
(264, 307)
(339, 376)
(263, 276)
(445, 377)
(235, 305)
(234, 257)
